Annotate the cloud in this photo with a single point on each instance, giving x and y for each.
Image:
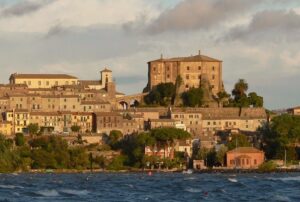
(269, 26)
(24, 8)
(199, 14)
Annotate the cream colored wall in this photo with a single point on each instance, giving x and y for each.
(84, 121)
(21, 120)
(246, 125)
(45, 83)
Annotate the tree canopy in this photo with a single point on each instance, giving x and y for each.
(193, 97)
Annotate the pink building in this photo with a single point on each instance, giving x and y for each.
(245, 158)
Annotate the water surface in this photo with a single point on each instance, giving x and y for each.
(158, 187)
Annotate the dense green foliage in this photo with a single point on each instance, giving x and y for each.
(240, 97)
(212, 157)
(163, 94)
(45, 152)
(267, 166)
(282, 135)
(133, 147)
(193, 97)
(33, 128)
(238, 140)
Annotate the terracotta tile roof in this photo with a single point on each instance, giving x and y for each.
(196, 58)
(245, 150)
(42, 76)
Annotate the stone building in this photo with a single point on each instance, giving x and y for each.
(245, 158)
(191, 69)
(43, 80)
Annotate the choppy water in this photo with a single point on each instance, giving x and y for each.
(158, 187)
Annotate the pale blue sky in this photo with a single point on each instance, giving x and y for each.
(257, 40)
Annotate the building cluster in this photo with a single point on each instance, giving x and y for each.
(57, 102)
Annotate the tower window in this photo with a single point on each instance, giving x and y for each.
(187, 68)
(199, 67)
(213, 68)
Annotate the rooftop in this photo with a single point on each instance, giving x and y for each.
(42, 76)
(195, 58)
(245, 150)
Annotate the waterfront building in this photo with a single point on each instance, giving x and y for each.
(245, 158)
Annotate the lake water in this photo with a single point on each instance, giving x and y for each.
(158, 187)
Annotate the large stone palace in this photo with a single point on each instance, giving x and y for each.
(56, 102)
(192, 71)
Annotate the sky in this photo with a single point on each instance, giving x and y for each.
(257, 40)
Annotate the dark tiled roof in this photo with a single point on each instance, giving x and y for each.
(42, 76)
(196, 58)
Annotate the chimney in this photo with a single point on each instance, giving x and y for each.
(199, 52)
(161, 56)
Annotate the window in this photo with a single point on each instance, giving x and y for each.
(213, 77)
(168, 76)
(199, 68)
(29, 82)
(154, 69)
(213, 68)
(187, 68)
(187, 76)
(255, 162)
(208, 123)
(199, 76)
(40, 83)
(56, 83)
(47, 83)
(186, 86)
(168, 68)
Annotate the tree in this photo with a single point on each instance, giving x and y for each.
(193, 97)
(238, 140)
(221, 154)
(167, 136)
(240, 89)
(223, 98)
(19, 139)
(280, 135)
(114, 137)
(75, 128)
(163, 94)
(255, 100)
(33, 128)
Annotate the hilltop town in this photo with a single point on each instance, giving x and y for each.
(93, 112)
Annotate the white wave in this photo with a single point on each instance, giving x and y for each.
(232, 180)
(193, 190)
(74, 192)
(6, 186)
(281, 198)
(296, 178)
(48, 193)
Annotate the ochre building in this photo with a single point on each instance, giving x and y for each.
(191, 69)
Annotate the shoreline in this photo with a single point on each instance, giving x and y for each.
(148, 171)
